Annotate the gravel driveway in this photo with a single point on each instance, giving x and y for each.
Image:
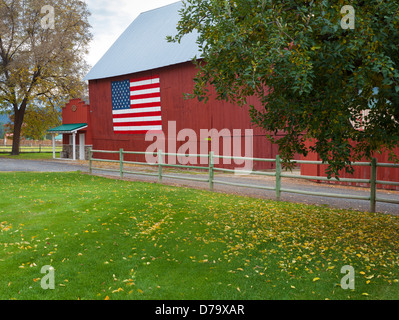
(11, 165)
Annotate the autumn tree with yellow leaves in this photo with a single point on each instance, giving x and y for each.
(42, 48)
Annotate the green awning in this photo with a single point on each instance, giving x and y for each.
(68, 128)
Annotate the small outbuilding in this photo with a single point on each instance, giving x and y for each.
(76, 131)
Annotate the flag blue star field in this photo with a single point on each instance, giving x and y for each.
(136, 106)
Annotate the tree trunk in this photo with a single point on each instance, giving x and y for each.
(18, 121)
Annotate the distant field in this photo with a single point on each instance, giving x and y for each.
(31, 153)
(113, 239)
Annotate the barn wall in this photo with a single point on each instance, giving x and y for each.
(174, 81)
(81, 115)
(383, 174)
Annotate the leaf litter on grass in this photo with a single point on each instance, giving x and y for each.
(194, 236)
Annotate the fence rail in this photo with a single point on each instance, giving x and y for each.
(372, 198)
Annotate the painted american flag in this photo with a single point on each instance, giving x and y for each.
(136, 106)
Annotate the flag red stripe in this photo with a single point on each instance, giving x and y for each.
(147, 105)
(138, 124)
(147, 95)
(134, 115)
(139, 132)
(145, 87)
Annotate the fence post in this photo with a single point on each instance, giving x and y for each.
(90, 159)
(160, 161)
(278, 178)
(211, 171)
(121, 162)
(373, 187)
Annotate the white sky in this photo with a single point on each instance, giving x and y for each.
(110, 18)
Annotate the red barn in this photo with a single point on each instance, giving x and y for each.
(139, 84)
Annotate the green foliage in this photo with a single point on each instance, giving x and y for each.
(39, 118)
(313, 79)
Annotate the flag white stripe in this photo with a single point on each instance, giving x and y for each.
(138, 119)
(148, 100)
(138, 128)
(147, 91)
(143, 82)
(133, 111)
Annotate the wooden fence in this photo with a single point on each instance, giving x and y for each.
(211, 169)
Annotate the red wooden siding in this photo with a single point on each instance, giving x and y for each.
(174, 81)
(81, 115)
(383, 174)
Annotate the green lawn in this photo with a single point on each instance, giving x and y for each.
(31, 156)
(111, 239)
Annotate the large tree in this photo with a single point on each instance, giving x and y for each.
(42, 48)
(313, 76)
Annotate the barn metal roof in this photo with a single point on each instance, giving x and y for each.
(143, 45)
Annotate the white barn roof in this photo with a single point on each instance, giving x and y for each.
(143, 45)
